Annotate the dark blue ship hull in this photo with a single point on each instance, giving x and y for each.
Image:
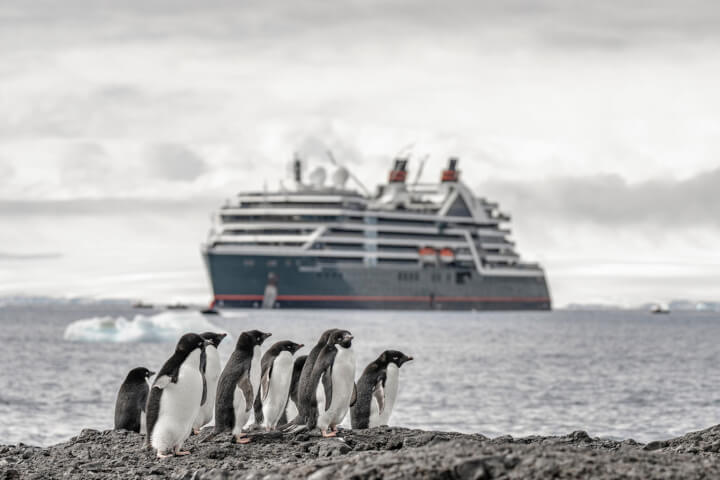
(240, 281)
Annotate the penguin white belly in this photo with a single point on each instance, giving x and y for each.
(278, 390)
(212, 374)
(291, 411)
(391, 390)
(343, 380)
(242, 414)
(179, 405)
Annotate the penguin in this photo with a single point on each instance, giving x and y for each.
(175, 397)
(397, 359)
(306, 398)
(291, 409)
(277, 370)
(131, 400)
(334, 369)
(212, 373)
(238, 385)
(376, 390)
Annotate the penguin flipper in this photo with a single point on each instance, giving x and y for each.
(164, 381)
(327, 386)
(353, 398)
(246, 388)
(205, 389)
(379, 394)
(265, 384)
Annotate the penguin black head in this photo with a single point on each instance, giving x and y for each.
(285, 346)
(139, 374)
(394, 356)
(215, 338)
(340, 337)
(252, 338)
(189, 342)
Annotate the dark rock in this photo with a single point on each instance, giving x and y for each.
(370, 454)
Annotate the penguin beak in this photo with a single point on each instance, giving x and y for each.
(223, 335)
(348, 337)
(150, 374)
(266, 335)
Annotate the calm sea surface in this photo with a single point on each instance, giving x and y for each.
(614, 374)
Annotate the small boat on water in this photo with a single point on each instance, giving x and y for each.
(141, 304)
(660, 308)
(209, 311)
(177, 306)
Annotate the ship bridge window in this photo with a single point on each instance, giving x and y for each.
(408, 276)
(403, 221)
(459, 208)
(462, 277)
(398, 261)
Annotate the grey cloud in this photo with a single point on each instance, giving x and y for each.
(104, 207)
(85, 162)
(559, 23)
(173, 161)
(29, 256)
(610, 201)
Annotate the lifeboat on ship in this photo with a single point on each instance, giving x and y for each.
(427, 255)
(447, 255)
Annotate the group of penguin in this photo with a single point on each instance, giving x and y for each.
(312, 391)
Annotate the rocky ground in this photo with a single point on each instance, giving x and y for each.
(368, 454)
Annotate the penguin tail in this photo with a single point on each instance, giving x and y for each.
(293, 426)
(210, 436)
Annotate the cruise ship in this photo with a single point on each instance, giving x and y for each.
(408, 246)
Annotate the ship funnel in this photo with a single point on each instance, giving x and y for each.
(399, 171)
(451, 173)
(297, 169)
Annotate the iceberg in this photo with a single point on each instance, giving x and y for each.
(162, 327)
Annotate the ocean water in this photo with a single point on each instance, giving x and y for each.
(618, 374)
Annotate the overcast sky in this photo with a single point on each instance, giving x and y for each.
(596, 125)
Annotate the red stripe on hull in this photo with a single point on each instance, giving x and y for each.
(383, 298)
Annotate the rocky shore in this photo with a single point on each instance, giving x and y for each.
(369, 454)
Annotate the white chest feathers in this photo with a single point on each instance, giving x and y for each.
(343, 381)
(179, 406)
(278, 389)
(391, 390)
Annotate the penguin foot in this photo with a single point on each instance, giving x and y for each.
(196, 431)
(181, 453)
(242, 439)
(163, 455)
(327, 434)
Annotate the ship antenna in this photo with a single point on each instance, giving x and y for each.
(420, 169)
(407, 148)
(352, 175)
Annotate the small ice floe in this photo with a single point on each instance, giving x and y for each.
(162, 327)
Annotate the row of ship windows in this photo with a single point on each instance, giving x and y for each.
(361, 234)
(336, 218)
(249, 262)
(460, 277)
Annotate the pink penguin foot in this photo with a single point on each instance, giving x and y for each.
(242, 439)
(327, 434)
(181, 453)
(163, 455)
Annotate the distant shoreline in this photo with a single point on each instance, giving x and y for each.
(372, 453)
